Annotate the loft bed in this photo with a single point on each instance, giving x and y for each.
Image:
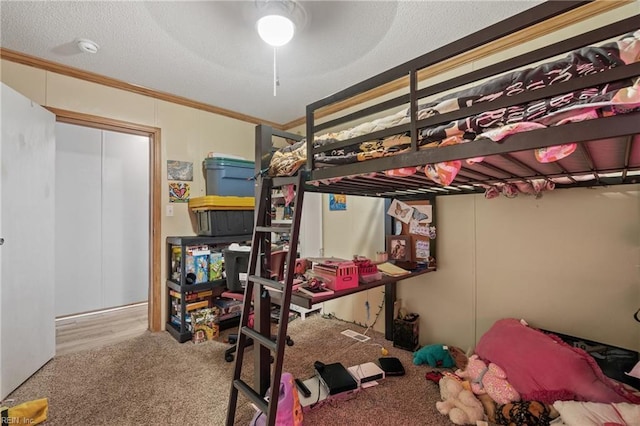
(584, 114)
(598, 133)
(607, 145)
(603, 136)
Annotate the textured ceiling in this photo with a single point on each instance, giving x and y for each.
(209, 51)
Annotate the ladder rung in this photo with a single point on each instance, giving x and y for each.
(251, 394)
(284, 180)
(266, 282)
(286, 229)
(257, 337)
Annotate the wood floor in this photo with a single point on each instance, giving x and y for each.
(88, 331)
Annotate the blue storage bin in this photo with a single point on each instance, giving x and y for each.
(230, 177)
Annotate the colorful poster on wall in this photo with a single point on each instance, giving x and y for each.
(178, 192)
(337, 202)
(179, 170)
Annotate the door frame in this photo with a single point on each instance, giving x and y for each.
(155, 206)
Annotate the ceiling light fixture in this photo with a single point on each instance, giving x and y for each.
(276, 30)
(276, 25)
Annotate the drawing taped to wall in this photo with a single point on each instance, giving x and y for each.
(178, 192)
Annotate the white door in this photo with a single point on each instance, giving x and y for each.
(27, 268)
(102, 219)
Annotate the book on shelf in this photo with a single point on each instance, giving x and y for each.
(197, 305)
(392, 270)
(191, 296)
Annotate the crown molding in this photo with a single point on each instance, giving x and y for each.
(582, 13)
(44, 64)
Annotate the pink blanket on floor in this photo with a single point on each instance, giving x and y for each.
(542, 367)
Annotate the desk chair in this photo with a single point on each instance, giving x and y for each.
(278, 259)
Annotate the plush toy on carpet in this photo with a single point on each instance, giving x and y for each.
(434, 355)
(525, 413)
(491, 380)
(460, 404)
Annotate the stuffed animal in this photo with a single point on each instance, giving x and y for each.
(460, 404)
(525, 412)
(460, 359)
(491, 380)
(434, 355)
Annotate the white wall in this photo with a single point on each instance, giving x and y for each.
(567, 262)
(356, 230)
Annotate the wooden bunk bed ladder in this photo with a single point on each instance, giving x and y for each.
(260, 334)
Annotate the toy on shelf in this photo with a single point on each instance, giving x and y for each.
(367, 270)
(338, 275)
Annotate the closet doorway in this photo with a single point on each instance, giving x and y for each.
(102, 219)
(107, 216)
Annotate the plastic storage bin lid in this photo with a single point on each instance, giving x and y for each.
(219, 202)
(223, 161)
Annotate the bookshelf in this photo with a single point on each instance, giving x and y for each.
(182, 297)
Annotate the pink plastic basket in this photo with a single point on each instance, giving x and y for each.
(338, 275)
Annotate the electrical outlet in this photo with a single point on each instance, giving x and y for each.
(169, 209)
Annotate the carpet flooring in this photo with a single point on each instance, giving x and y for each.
(154, 380)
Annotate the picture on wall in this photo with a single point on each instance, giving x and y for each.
(421, 248)
(400, 211)
(179, 170)
(399, 247)
(337, 202)
(178, 192)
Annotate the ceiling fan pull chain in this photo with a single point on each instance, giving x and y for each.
(275, 75)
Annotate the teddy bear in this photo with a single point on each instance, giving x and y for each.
(460, 404)
(490, 379)
(434, 355)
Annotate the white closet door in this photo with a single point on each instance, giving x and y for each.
(78, 283)
(125, 219)
(27, 156)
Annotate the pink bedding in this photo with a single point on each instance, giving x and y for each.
(542, 367)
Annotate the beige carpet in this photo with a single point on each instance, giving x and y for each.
(153, 380)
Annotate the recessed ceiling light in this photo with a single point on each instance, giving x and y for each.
(87, 46)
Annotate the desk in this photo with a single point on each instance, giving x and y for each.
(263, 304)
(389, 296)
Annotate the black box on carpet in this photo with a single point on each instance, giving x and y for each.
(336, 378)
(406, 332)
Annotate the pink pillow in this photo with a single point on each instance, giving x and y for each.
(542, 367)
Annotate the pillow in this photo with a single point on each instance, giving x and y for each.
(577, 413)
(543, 368)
